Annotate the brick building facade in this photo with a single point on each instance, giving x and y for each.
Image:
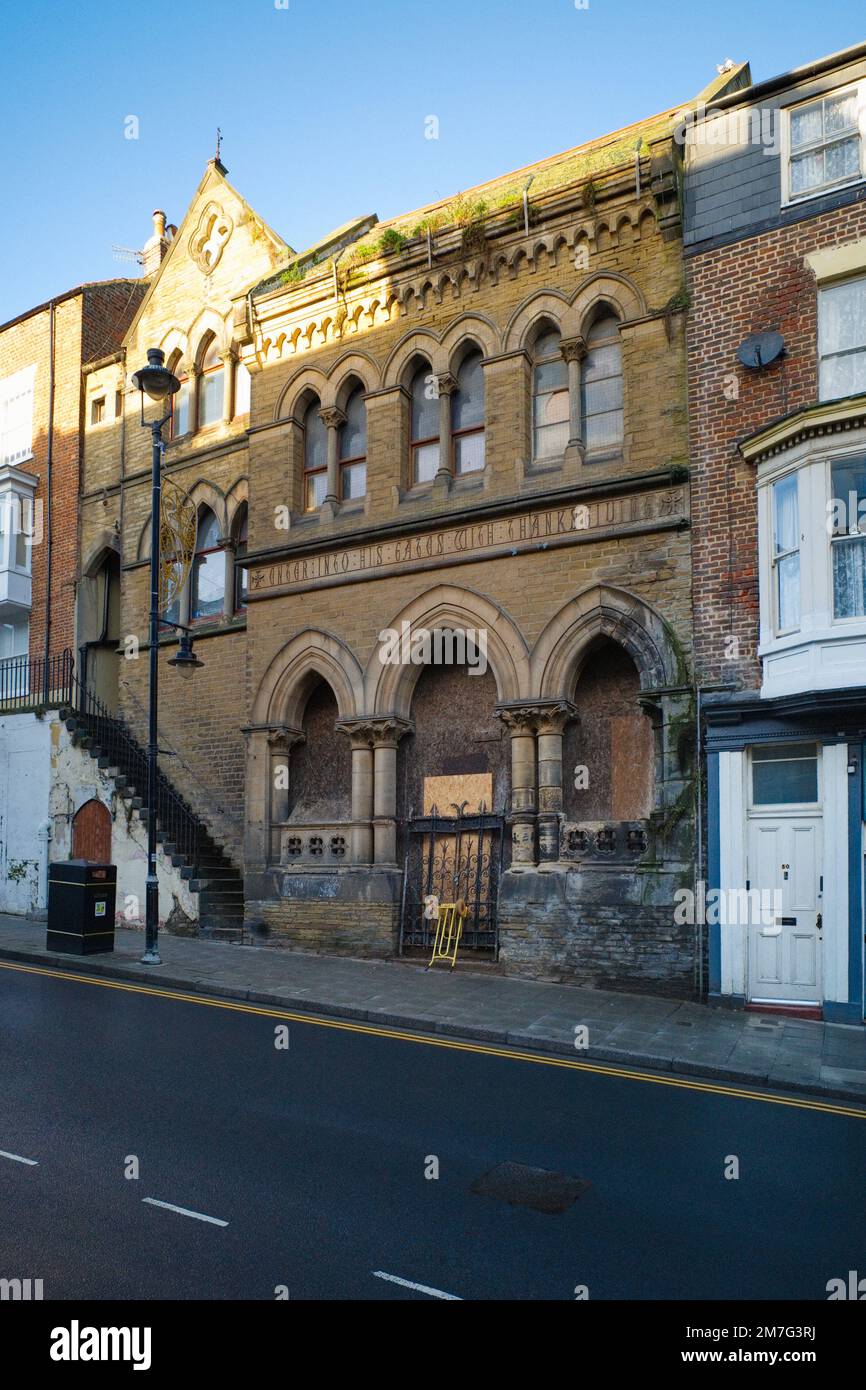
(775, 244)
(442, 578)
(42, 355)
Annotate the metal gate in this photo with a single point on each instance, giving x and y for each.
(453, 857)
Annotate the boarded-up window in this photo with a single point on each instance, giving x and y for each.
(613, 742)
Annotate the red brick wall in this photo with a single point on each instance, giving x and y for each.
(758, 284)
(86, 324)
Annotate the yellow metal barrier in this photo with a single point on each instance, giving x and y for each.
(449, 930)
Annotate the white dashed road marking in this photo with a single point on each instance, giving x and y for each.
(419, 1288)
(184, 1211)
(16, 1158)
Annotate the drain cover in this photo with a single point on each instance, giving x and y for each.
(537, 1188)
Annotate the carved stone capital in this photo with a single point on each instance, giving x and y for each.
(446, 384)
(375, 731)
(574, 349)
(542, 717)
(282, 738)
(332, 417)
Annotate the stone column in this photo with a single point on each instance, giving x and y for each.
(333, 419)
(386, 734)
(194, 378)
(574, 351)
(229, 593)
(552, 720)
(281, 741)
(228, 360)
(360, 735)
(520, 720)
(447, 385)
(374, 786)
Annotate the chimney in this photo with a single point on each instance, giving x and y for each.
(155, 247)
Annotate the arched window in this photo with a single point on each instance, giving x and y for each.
(180, 422)
(208, 570)
(353, 447)
(211, 387)
(424, 430)
(241, 531)
(242, 389)
(315, 458)
(550, 414)
(467, 416)
(601, 385)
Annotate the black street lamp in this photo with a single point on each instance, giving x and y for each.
(158, 383)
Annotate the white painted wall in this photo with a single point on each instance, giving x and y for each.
(44, 781)
(25, 781)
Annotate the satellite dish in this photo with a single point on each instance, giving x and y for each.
(760, 350)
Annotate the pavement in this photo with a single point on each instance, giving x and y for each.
(664, 1035)
(163, 1146)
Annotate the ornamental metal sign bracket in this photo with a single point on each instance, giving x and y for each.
(178, 525)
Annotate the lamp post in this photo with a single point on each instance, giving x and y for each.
(157, 383)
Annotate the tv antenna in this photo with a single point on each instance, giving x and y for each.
(126, 253)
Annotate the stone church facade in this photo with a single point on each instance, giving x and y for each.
(460, 432)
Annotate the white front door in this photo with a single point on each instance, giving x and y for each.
(785, 866)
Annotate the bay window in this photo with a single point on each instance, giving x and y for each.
(848, 544)
(786, 554)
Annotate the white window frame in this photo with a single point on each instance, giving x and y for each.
(812, 462)
(778, 630)
(790, 199)
(855, 620)
(824, 289)
(771, 809)
(17, 507)
(19, 384)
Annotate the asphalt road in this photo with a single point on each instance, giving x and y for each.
(315, 1157)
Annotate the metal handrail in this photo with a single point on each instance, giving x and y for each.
(175, 818)
(28, 683)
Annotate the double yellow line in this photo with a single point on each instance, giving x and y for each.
(512, 1054)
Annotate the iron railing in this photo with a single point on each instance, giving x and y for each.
(176, 821)
(34, 683)
(453, 858)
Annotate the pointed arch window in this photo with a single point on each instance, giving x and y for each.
(242, 389)
(467, 416)
(424, 430)
(211, 388)
(240, 574)
(601, 386)
(353, 447)
(550, 409)
(180, 422)
(315, 457)
(207, 594)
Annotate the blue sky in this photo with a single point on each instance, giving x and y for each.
(322, 104)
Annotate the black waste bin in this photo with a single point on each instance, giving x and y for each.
(81, 907)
